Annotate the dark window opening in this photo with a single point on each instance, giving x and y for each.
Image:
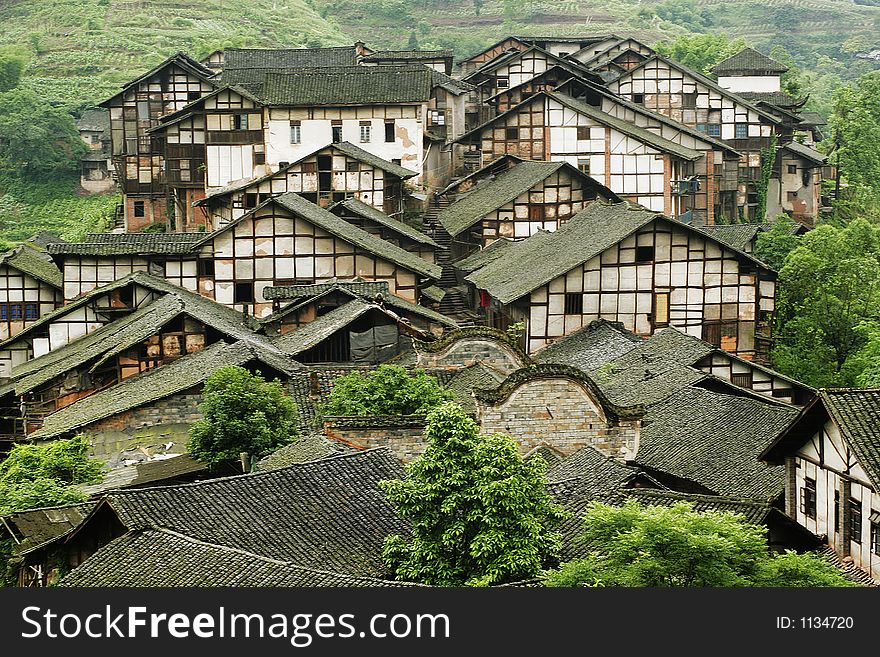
(206, 267)
(250, 201)
(837, 511)
(352, 166)
(574, 303)
(502, 82)
(337, 133)
(244, 293)
(193, 95)
(792, 168)
(644, 254)
(808, 498)
(511, 133)
(259, 157)
(536, 213)
(583, 132)
(389, 131)
(855, 521)
(139, 209)
(639, 99)
(743, 380)
(689, 101)
(875, 537)
(239, 121)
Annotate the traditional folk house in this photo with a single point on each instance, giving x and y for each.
(284, 240)
(635, 163)
(512, 69)
(30, 287)
(832, 472)
(138, 158)
(745, 236)
(616, 58)
(151, 412)
(439, 60)
(328, 515)
(558, 46)
(634, 266)
(669, 88)
(329, 175)
(513, 198)
(95, 165)
(172, 325)
(299, 305)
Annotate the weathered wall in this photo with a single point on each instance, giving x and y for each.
(465, 348)
(149, 427)
(561, 413)
(403, 434)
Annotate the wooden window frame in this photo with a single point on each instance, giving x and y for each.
(390, 136)
(809, 498)
(855, 520)
(295, 132)
(574, 303)
(139, 208)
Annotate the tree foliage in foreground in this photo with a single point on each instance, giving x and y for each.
(676, 546)
(34, 476)
(480, 514)
(242, 412)
(387, 390)
(828, 305)
(36, 139)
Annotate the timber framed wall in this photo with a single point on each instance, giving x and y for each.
(662, 275)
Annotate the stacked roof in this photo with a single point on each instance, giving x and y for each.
(748, 61)
(30, 261)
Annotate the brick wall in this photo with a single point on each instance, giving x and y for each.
(560, 412)
(403, 434)
(150, 427)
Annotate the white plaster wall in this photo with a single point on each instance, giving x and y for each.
(758, 83)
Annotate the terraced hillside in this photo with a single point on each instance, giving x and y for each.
(807, 28)
(82, 50)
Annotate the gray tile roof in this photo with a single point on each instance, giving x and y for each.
(590, 347)
(94, 120)
(321, 328)
(482, 257)
(35, 527)
(337, 226)
(392, 55)
(605, 473)
(748, 60)
(367, 211)
(350, 85)
(778, 98)
(327, 514)
(307, 448)
(857, 413)
(492, 194)
(806, 152)
(155, 384)
(715, 440)
(32, 262)
(298, 292)
(626, 127)
(465, 381)
(235, 58)
(164, 558)
(128, 244)
(544, 256)
(739, 236)
(149, 471)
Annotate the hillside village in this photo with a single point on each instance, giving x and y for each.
(560, 230)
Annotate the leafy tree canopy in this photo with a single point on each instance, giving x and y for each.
(34, 476)
(775, 244)
(387, 390)
(242, 412)
(677, 546)
(480, 514)
(36, 139)
(828, 305)
(700, 51)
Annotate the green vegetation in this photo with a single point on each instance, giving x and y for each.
(480, 514)
(677, 546)
(34, 476)
(700, 52)
(387, 390)
(828, 305)
(242, 412)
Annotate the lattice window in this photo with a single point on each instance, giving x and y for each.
(808, 498)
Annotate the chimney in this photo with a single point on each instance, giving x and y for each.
(360, 48)
(245, 462)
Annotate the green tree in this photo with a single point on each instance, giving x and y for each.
(12, 63)
(33, 476)
(413, 43)
(793, 81)
(855, 129)
(700, 51)
(775, 244)
(242, 412)
(36, 139)
(387, 390)
(828, 304)
(676, 546)
(480, 514)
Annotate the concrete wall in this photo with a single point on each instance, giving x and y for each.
(403, 434)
